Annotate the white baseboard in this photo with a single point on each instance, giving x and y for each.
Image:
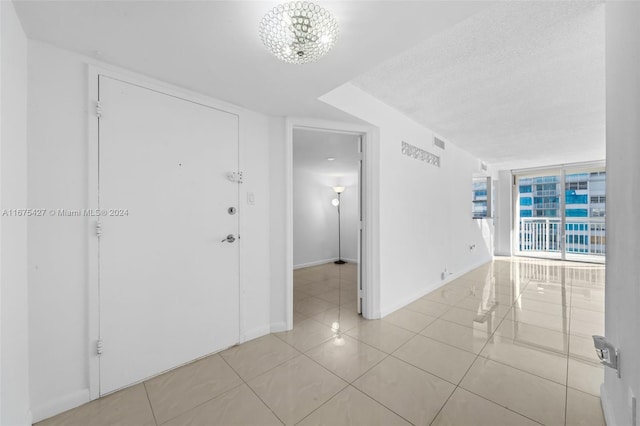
(29, 418)
(431, 287)
(322, 262)
(502, 253)
(61, 404)
(255, 333)
(278, 327)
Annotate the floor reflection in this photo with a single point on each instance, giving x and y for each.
(513, 333)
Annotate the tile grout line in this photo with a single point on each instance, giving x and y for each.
(200, 404)
(252, 390)
(566, 389)
(457, 385)
(350, 384)
(337, 306)
(153, 413)
(473, 362)
(490, 336)
(500, 405)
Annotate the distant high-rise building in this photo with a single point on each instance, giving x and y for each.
(540, 204)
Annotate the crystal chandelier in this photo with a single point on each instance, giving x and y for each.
(298, 32)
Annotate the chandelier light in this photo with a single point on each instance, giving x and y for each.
(298, 32)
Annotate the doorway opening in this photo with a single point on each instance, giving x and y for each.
(327, 234)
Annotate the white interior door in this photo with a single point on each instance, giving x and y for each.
(168, 285)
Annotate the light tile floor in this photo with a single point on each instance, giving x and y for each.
(506, 344)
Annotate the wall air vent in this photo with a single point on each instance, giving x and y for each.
(438, 142)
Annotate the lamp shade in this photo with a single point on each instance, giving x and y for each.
(338, 189)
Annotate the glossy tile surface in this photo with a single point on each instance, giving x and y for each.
(352, 407)
(409, 320)
(527, 357)
(306, 334)
(465, 338)
(295, 388)
(534, 336)
(408, 391)
(349, 359)
(428, 307)
(584, 376)
(440, 359)
(126, 407)
(257, 356)
(177, 391)
(505, 344)
(380, 334)
(583, 409)
(534, 397)
(237, 407)
(465, 408)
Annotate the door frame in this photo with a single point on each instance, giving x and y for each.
(369, 192)
(93, 188)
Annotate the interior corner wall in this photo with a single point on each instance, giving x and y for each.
(350, 219)
(622, 292)
(503, 213)
(57, 246)
(426, 225)
(315, 219)
(14, 343)
(278, 222)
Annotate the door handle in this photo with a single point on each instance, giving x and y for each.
(230, 238)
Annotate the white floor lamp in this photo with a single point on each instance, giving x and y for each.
(336, 202)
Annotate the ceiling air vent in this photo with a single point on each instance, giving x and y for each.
(438, 142)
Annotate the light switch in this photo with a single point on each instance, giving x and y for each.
(251, 200)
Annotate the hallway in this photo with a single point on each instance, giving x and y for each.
(506, 344)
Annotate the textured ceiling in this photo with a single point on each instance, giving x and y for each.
(213, 47)
(518, 84)
(311, 149)
(515, 83)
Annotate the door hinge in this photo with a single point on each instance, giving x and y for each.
(99, 109)
(235, 177)
(99, 347)
(98, 229)
(514, 181)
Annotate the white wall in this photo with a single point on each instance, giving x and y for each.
(503, 211)
(277, 157)
(349, 217)
(425, 211)
(14, 366)
(315, 219)
(58, 273)
(622, 293)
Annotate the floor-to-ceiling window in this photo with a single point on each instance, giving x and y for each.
(561, 213)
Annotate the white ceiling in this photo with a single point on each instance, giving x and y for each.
(213, 46)
(519, 84)
(311, 148)
(515, 83)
